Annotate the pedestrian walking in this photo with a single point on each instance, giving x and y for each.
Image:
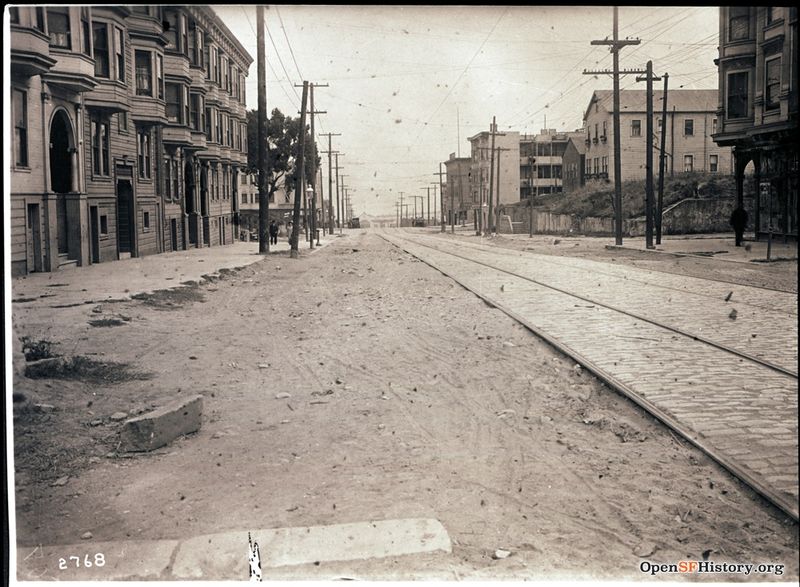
(273, 233)
(739, 222)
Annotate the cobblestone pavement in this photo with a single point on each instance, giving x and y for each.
(741, 412)
(765, 322)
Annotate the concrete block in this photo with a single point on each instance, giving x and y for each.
(160, 427)
(223, 556)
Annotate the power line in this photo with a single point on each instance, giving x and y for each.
(288, 43)
(450, 91)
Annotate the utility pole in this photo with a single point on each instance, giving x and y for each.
(401, 208)
(615, 46)
(263, 171)
(298, 181)
(648, 203)
(421, 204)
(342, 214)
(330, 178)
(661, 162)
(314, 162)
(491, 172)
(441, 195)
(497, 202)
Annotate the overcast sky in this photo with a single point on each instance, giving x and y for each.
(410, 84)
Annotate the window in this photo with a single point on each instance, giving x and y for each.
(738, 23)
(39, 20)
(208, 123)
(175, 180)
(86, 31)
(184, 47)
(713, 163)
(13, 15)
(218, 135)
(100, 37)
(20, 105)
(122, 122)
(100, 147)
(195, 44)
(688, 163)
(104, 225)
(774, 13)
(207, 61)
(144, 73)
(738, 106)
(174, 94)
(146, 221)
(143, 153)
(605, 165)
(171, 30)
(59, 27)
(713, 126)
(636, 128)
(605, 129)
(197, 113)
(772, 84)
(186, 114)
(160, 76)
(688, 127)
(120, 49)
(167, 167)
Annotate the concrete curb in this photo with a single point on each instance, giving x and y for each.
(224, 556)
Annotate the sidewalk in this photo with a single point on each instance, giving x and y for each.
(718, 246)
(127, 277)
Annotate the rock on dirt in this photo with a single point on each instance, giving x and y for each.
(501, 553)
(119, 416)
(644, 549)
(283, 395)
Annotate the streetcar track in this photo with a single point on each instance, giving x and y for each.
(511, 252)
(624, 250)
(674, 329)
(783, 499)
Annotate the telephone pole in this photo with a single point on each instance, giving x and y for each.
(401, 209)
(263, 199)
(298, 182)
(341, 211)
(615, 45)
(441, 195)
(497, 202)
(330, 178)
(313, 182)
(648, 201)
(421, 205)
(491, 172)
(661, 162)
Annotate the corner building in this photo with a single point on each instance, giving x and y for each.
(129, 132)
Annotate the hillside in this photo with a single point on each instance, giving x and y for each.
(597, 201)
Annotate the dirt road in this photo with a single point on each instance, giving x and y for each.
(408, 397)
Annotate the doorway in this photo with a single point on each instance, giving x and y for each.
(61, 150)
(126, 228)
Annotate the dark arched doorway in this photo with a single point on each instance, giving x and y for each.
(61, 153)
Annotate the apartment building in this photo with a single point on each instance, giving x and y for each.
(757, 105)
(541, 161)
(129, 132)
(506, 161)
(691, 121)
(458, 202)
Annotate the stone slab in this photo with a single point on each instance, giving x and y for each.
(160, 427)
(224, 556)
(121, 561)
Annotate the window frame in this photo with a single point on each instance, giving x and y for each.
(747, 98)
(774, 104)
(119, 51)
(100, 147)
(688, 127)
(21, 150)
(144, 153)
(738, 15)
(636, 129)
(690, 160)
(53, 13)
(148, 92)
(713, 163)
(101, 56)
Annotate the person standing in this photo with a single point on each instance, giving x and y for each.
(273, 233)
(739, 223)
